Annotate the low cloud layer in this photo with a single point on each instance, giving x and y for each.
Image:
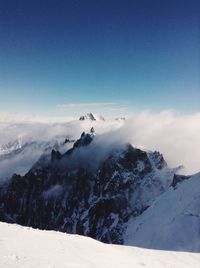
(176, 136)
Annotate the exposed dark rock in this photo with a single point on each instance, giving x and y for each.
(89, 116)
(68, 141)
(84, 140)
(178, 178)
(55, 155)
(96, 203)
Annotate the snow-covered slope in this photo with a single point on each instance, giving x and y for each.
(76, 192)
(124, 197)
(102, 187)
(172, 221)
(25, 247)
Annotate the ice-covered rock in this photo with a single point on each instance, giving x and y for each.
(62, 192)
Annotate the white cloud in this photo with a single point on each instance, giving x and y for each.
(175, 135)
(85, 105)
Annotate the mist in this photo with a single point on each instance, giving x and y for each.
(175, 135)
(91, 156)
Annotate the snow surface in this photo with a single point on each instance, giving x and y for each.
(172, 222)
(26, 247)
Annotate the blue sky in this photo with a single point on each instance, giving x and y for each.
(132, 55)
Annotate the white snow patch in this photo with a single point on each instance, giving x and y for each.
(172, 222)
(25, 247)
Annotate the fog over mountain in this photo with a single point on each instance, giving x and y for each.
(175, 135)
(104, 187)
(99, 134)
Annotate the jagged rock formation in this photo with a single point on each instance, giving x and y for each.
(60, 193)
(8, 148)
(178, 178)
(89, 116)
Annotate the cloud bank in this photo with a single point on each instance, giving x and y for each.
(175, 135)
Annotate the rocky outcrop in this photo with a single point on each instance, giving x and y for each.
(59, 195)
(178, 178)
(88, 116)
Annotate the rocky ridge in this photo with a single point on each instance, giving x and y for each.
(57, 194)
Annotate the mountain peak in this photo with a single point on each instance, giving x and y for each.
(92, 117)
(88, 116)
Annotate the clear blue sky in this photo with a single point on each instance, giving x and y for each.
(145, 54)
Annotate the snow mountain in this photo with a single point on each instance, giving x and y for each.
(71, 193)
(91, 117)
(20, 155)
(11, 146)
(22, 144)
(109, 191)
(172, 222)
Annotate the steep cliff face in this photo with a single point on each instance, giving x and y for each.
(61, 193)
